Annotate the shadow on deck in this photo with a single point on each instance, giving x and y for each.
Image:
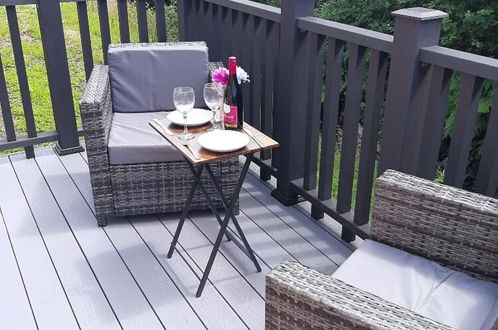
(61, 271)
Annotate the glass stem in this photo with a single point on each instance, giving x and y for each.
(185, 129)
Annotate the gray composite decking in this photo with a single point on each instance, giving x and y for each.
(59, 270)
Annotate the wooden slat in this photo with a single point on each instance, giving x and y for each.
(195, 22)
(10, 132)
(75, 274)
(143, 33)
(463, 131)
(487, 176)
(436, 107)
(356, 64)
(259, 33)
(86, 43)
(161, 21)
(16, 310)
(22, 76)
(250, 7)
(211, 307)
(105, 33)
(124, 26)
(352, 34)
(156, 283)
(208, 30)
(130, 305)
(245, 60)
(369, 139)
(267, 76)
(335, 53)
(226, 40)
(276, 63)
(313, 108)
(217, 31)
(48, 300)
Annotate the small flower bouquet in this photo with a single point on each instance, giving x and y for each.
(221, 76)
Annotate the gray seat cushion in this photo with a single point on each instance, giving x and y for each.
(133, 141)
(423, 286)
(143, 76)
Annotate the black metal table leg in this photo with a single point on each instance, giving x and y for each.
(224, 226)
(197, 179)
(209, 200)
(248, 249)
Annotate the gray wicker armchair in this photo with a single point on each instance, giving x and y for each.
(133, 189)
(455, 228)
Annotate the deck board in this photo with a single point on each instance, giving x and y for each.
(85, 295)
(48, 299)
(15, 311)
(129, 303)
(119, 276)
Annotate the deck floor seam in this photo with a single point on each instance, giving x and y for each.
(44, 242)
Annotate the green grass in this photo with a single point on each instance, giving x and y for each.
(34, 58)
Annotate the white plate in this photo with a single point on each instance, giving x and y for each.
(196, 117)
(223, 141)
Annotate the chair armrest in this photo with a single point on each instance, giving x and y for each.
(454, 227)
(96, 115)
(298, 297)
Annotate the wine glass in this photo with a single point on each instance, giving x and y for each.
(213, 96)
(184, 99)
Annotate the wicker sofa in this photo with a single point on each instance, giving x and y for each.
(138, 188)
(455, 228)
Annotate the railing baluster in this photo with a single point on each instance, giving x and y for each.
(267, 70)
(21, 76)
(10, 131)
(124, 27)
(369, 140)
(208, 27)
(224, 19)
(314, 60)
(86, 42)
(350, 131)
(161, 21)
(246, 61)
(463, 131)
(196, 23)
(275, 40)
(143, 34)
(259, 28)
(487, 176)
(105, 33)
(437, 106)
(59, 81)
(335, 54)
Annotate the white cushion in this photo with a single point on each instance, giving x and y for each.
(420, 285)
(133, 141)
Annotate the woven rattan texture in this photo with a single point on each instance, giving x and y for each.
(140, 188)
(298, 297)
(454, 227)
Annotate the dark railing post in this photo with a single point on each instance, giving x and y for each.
(54, 47)
(291, 99)
(414, 28)
(184, 10)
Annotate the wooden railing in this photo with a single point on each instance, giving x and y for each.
(303, 71)
(309, 76)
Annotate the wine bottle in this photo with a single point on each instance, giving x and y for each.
(233, 106)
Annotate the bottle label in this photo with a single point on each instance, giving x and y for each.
(231, 114)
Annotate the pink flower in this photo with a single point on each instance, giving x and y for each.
(220, 76)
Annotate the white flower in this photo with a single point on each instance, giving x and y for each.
(242, 75)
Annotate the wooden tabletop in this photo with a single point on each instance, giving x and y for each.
(206, 155)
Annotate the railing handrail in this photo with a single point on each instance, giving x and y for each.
(476, 65)
(348, 33)
(252, 8)
(31, 2)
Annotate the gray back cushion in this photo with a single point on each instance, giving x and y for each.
(143, 76)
